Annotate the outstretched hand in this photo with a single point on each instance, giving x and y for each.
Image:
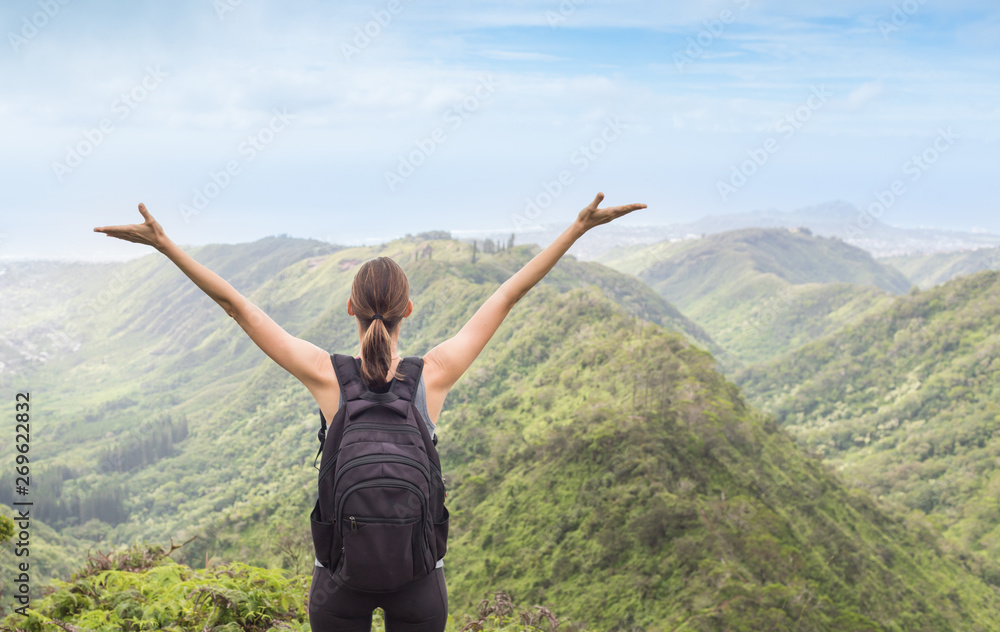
(149, 232)
(592, 216)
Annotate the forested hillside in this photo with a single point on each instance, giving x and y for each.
(906, 404)
(762, 292)
(926, 271)
(154, 414)
(597, 461)
(616, 472)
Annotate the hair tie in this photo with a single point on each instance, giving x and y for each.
(378, 317)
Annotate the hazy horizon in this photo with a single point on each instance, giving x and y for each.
(362, 121)
(524, 236)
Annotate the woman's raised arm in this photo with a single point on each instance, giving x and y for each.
(450, 359)
(301, 358)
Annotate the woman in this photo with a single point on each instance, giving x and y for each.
(380, 301)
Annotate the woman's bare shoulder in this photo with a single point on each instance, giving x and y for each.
(327, 391)
(434, 390)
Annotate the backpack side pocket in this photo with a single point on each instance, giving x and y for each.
(324, 537)
(441, 535)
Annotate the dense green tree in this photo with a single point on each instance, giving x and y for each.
(6, 529)
(906, 404)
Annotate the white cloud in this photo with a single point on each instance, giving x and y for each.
(508, 55)
(863, 94)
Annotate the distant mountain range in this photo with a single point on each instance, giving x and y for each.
(760, 292)
(834, 219)
(926, 271)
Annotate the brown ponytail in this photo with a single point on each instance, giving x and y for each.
(380, 287)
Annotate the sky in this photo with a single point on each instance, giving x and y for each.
(360, 122)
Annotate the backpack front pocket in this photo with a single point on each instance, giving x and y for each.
(379, 553)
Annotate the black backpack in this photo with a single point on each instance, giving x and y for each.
(380, 520)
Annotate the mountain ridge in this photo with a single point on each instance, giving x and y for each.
(831, 219)
(903, 402)
(762, 291)
(926, 271)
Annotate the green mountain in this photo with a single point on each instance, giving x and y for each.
(51, 310)
(926, 271)
(646, 491)
(597, 462)
(760, 292)
(145, 395)
(906, 404)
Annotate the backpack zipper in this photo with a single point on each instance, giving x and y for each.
(386, 482)
(381, 458)
(325, 467)
(440, 476)
(378, 520)
(385, 427)
(369, 426)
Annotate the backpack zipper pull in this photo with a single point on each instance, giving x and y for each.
(354, 525)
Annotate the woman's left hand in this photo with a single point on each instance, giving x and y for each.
(592, 216)
(149, 232)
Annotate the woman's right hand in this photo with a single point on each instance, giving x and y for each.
(592, 216)
(149, 232)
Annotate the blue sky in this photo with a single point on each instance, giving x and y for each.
(237, 119)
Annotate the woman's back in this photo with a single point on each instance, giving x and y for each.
(433, 395)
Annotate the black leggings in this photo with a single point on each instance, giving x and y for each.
(421, 606)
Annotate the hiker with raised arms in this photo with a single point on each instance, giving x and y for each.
(379, 526)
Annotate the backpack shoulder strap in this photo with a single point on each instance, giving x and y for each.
(397, 398)
(321, 435)
(406, 390)
(411, 368)
(351, 387)
(357, 397)
(348, 376)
